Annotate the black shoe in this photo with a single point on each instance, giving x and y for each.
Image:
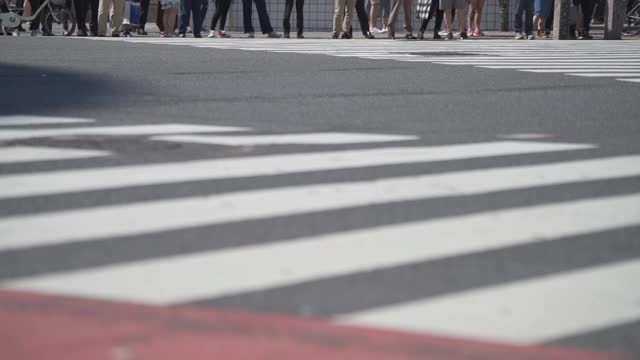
(181, 34)
(197, 36)
(449, 36)
(585, 36)
(420, 35)
(369, 35)
(93, 33)
(334, 35)
(463, 35)
(345, 36)
(142, 32)
(300, 36)
(115, 35)
(391, 36)
(82, 33)
(409, 36)
(436, 36)
(286, 35)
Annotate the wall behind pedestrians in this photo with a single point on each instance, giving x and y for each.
(318, 16)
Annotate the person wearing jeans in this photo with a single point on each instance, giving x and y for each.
(524, 7)
(263, 15)
(587, 14)
(286, 20)
(188, 7)
(222, 9)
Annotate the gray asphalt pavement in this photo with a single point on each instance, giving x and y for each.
(121, 83)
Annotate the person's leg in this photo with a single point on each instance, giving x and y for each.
(338, 15)
(528, 20)
(103, 16)
(363, 18)
(226, 5)
(144, 14)
(300, 16)
(385, 10)
(408, 19)
(204, 7)
(195, 11)
(393, 17)
(473, 4)
(373, 14)
(348, 15)
(462, 17)
(286, 19)
(478, 16)
(184, 16)
(160, 17)
(587, 15)
(170, 22)
(81, 15)
(517, 20)
(246, 16)
(263, 16)
(116, 17)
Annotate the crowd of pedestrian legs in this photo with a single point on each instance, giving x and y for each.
(532, 18)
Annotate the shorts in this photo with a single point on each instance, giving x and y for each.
(385, 6)
(453, 4)
(543, 7)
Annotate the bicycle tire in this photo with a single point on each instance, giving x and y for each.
(60, 21)
(631, 25)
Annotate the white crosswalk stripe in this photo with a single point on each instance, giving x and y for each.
(18, 154)
(576, 300)
(494, 54)
(26, 120)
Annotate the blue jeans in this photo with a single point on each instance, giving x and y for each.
(192, 6)
(247, 11)
(526, 7)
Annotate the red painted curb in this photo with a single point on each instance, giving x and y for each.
(43, 327)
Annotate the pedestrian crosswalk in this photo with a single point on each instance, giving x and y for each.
(569, 301)
(575, 58)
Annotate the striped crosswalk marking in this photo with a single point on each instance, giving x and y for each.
(25, 120)
(19, 154)
(530, 311)
(494, 54)
(132, 130)
(328, 138)
(251, 268)
(163, 215)
(57, 182)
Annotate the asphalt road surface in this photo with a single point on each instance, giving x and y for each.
(482, 190)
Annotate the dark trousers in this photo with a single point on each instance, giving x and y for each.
(222, 9)
(261, 6)
(35, 23)
(434, 10)
(144, 13)
(587, 14)
(288, 8)
(187, 8)
(526, 7)
(363, 17)
(81, 8)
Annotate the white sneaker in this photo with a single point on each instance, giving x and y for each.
(519, 36)
(531, 37)
(443, 33)
(212, 34)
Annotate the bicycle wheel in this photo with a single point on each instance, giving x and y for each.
(632, 22)
(59, 21)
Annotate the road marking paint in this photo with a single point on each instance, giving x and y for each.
(57, 182)
(630, 80)
(22, 120)
(232, 271)
(567, 66)
(58, 227)
(133, 130)
(20, 154)
(531, 311)
(329, 138)
(597, 74)
(525, 136)
(591, 70)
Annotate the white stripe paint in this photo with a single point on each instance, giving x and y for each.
(22, 120)
(598, 74)
(19, 154)
(134, 130)
(630, 80)
(328, 138)
(227, 272)
(57, 182)
(531, 311)
(525, 136)
(567, 66)
(59, 227)
(635, 71)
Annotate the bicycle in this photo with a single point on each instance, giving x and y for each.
(55, 17)
(632, 21)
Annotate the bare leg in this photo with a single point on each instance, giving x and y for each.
(373, 18)
(478, 16)
(447, 21)
(472, 7)
(462, 19)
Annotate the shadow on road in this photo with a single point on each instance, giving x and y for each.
(37, 90)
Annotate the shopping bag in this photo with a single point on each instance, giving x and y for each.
(131, 13)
